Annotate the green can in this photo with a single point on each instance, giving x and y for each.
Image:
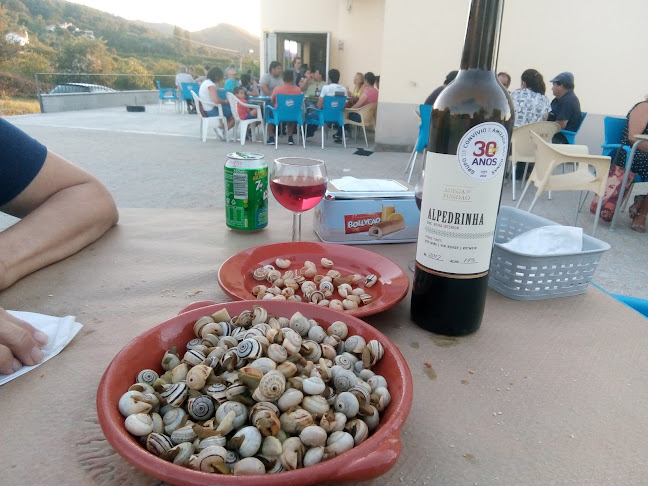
(246, 191)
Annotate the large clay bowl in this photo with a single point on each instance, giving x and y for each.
(369, 460)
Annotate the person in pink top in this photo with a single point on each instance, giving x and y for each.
(369, 95)
(288, 88)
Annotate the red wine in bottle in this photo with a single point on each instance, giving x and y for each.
(466, 155)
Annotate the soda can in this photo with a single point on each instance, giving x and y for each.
(246, 191)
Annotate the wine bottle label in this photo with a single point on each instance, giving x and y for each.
(461, 196)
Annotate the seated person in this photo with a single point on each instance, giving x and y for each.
(192, 72)
(504, 79)
(637, 124)
(287, 88)
(435, 94)
(249, 85)
(184, 77)
(270, 80)
(208, 95)
(531, 104)
(244, 112)
(565, 107)
(356, 90)
(231, 82)
(369, 94)
(333, 88)
(63, 209)
(314, 85)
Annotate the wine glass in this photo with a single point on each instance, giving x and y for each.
(298, 184)
(418, 196)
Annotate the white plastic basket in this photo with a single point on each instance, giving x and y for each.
(528, 277)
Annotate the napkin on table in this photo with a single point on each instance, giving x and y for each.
(59, 330)
(348, 183)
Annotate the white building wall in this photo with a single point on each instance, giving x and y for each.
(419, 41)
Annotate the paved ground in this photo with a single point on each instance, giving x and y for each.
(157, 160)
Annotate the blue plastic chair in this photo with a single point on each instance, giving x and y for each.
(166, 94)
(569, 135)
(422, 141)
(332, 112)
(289, 109)
(185, 95)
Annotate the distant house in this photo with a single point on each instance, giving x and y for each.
(50, 28)
(89, 34)
(14, 38)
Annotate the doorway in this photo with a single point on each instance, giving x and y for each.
(312, 47)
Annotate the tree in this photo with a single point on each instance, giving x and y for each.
(83, 55)
(132, 66)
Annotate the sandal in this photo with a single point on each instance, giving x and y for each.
(639, 227)
(634, 209)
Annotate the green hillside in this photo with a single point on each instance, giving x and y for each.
(69, 38)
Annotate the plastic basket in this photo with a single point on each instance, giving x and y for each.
(527, 277)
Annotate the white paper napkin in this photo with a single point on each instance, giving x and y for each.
(348, 183)
(59, 330)
(548, 240)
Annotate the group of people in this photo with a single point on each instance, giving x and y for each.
(531, 104)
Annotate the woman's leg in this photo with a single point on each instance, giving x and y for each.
(639, 221)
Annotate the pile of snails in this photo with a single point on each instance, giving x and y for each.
(320, 290)
(256, 394)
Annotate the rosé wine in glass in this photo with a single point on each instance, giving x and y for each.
(298, 193)
(298, 184)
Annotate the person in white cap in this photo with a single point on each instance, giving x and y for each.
(565, 107)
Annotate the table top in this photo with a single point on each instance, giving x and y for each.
(550, 391)
(641, 136)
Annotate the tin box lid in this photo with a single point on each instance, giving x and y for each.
(351, 188)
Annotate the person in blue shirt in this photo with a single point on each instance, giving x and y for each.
(62, 209)
(231, 81)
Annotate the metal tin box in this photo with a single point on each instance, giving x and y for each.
(367, 211)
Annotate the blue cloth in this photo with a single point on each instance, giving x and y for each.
(227, 111)
(212, 112)
(21, 159)
(230, 84)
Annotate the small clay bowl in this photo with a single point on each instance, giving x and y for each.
(369, 460)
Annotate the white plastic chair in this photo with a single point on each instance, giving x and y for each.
(522, 147)
(367, 119)
(242, 125)
(549, 156)
(220, 120)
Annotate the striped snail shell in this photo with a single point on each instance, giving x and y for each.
(217, 440)
(260, 315)
(271, 387)
(200, 408)
(218, 392)
(183, 434)
(249, 349)
(346, 360)
(174, 419)
(238, 333)
(211, 459)
(194, 343)
(181, 454)
(193, 357)
(200, 323)
(175, 394)
(147, 376)
(343, 379)
(159, 444)
(233, 458)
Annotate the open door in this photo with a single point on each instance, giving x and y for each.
(312, 47)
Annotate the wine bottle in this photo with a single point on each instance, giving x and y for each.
(466, 155)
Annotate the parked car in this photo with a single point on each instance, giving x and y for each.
(80, 88)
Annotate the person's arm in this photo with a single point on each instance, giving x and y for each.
(255, 90)
(213, 94)
(265, 85)
(562, 123)
(637, 124)
(361, 101)
(63, 210)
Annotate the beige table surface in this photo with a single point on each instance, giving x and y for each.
(548, 392)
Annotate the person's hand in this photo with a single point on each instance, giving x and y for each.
(20, 343)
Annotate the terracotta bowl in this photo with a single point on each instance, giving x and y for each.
(372, 458)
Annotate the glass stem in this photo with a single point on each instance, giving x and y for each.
(296, 234)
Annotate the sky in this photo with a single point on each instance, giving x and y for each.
(197, 15)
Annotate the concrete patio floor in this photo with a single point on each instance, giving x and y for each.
(156, 159)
